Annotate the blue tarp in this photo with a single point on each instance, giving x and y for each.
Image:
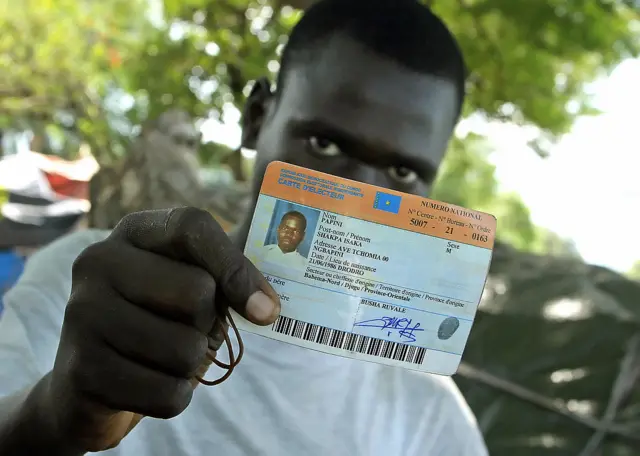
(11, 266)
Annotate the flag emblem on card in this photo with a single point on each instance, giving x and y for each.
(387, 202)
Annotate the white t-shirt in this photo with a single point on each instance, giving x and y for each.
(273, 254)
(281, 400)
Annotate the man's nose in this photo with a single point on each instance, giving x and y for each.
(363, 174)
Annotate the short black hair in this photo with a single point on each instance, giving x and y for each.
(299, 215)
(404, 31)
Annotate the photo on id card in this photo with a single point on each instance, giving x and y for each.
(366, 272)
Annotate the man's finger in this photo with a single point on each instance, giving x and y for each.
(193, 236)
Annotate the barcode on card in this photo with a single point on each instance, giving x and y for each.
(349, 341)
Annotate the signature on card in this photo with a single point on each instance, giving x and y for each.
(402, 326)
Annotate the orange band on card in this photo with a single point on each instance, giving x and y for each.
(379, 205)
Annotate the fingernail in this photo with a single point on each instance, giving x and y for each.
(260, 307)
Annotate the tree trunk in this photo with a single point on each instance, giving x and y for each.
(161, 171)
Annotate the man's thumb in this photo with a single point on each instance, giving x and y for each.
(262, 308)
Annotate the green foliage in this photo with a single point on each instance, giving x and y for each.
(530, 59)
(466, 177)
(207, 52)
(62, 57)
(634, 272)
(90, 71)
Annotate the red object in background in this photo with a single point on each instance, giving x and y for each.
(67, 179)
(64, 187)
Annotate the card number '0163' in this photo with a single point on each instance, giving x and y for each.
(479, 237)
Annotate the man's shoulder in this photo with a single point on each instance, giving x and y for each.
(451, 396)
(439, 386)
(448, 413)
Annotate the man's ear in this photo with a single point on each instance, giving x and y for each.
(255, 111)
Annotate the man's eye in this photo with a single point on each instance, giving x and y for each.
(403, 175)
(323, 146)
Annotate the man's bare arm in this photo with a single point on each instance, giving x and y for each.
(29, 335)
(27, 427)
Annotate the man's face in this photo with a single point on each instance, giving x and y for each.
(290, 233)
(354, 114)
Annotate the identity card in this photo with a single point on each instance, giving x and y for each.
(366, 272)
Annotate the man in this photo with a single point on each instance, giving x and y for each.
(369, 90)
(290, 234)
(41, 199)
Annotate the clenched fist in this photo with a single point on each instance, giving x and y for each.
(140, 320)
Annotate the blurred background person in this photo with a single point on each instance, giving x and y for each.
(41, 199)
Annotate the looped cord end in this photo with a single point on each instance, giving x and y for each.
(233, 361)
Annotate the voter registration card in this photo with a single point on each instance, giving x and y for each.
(366, 272)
